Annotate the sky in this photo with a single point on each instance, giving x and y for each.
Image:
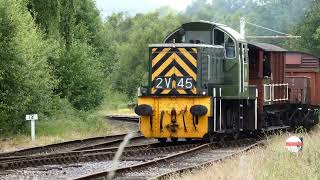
(107, 7)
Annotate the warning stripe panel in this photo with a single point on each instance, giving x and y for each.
(169, 61)
(186, 65)
(174, 62)
(159, 56)
(188, 56)
(154, 50)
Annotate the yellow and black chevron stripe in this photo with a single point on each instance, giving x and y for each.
(174, 62)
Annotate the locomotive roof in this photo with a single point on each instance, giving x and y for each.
(227, 29)
(267, 47)
(184, 45)
(236, 35)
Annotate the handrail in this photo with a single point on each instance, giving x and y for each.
(270, 89)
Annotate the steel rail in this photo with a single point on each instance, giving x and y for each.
(90, 156)
(134, 119)
(204, 164)
(62, 146)
(165, 161)
(83, 152)
(141, 165)
(109, 144)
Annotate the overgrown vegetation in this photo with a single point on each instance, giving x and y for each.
(61, 60)
(271, 161)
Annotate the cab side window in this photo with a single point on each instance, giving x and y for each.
(221, 38)
(218, 37)
(230, 48)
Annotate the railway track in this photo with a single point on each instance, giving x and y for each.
(140, 160)
(39, 166)
(65, 146)
(134, 119)
(131, 152)
(178, 162)
(74, 144)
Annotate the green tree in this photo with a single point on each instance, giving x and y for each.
(77, 25)
(80, 76)
(114, 32)
(26, 82)
(131, 70)
(309, 29)
(281, 15)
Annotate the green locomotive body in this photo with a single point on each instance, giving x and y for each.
(199, 87)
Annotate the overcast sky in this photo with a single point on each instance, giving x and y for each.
(107, 7)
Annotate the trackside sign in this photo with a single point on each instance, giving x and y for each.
(294, 144)
(31, 117)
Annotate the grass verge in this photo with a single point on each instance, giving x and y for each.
(61, 128)
(272, 161)
(65, 123)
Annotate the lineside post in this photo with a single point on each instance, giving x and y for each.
(32, 118)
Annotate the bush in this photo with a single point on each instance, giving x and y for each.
(80, 77)
(26, 82)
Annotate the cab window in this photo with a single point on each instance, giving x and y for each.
(221, 38)
(198, 37)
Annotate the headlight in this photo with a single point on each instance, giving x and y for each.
(142, 91)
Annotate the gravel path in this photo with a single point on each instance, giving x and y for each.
(52, 172)
(62, 172)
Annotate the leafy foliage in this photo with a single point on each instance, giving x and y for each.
(281, 15)
(76, 67)
(47, 51)
(80, 76)
(132, 66)
(26, 82)
(309, 29)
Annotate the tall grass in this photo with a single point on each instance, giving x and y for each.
(115, 103)
(272, 161)
(63, 123)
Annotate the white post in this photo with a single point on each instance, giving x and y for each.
(243, 26)
(33, 130)
(32, 118)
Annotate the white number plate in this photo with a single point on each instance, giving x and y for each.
(181, 82)
(30, 117)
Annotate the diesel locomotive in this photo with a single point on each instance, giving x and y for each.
(199, 87)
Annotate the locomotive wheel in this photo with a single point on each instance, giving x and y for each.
(188, 139)
(162, 140)
(211, 139)
(236, 135)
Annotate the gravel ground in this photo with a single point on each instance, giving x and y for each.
(119, 127)
(194, 159)
(66, 172)
(59, 172)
